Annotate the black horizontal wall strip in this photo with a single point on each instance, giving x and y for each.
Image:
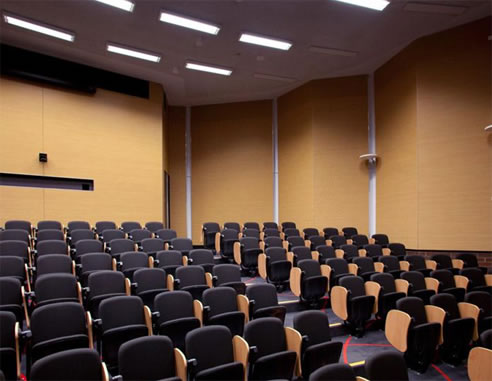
(38, 181)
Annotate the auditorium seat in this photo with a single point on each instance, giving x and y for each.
(269, 232)
(153, 226)
(203, 258)
(483, 301)
(380, 239)
(419, 263)
(270, 225)
(246, 253)
(85, 246)
(451, 284)
(470, 260)
(274, 266)
(15, 267)
(228, 275)
(51, 246)
(224, 243)
(263, 302)
(121, 319)
(415, 329)
(386, 366)
(49, 225)
(391, 290)
(191, 279)
(151, 358)
(477, 281)
(16, 235)
(349, 231)
(339, 372)
(59, 327)
(232, 225)
(54, 263)
(486, 339)
(294, 241)
(354, 302)
(308, 232)
(176, 316)
(128, 226)
(152, 245)
(19, 225)
(102, 285)
(349, 252)
(291, 232)
(221, 307)
(316, 240)
(251, 225)
(149, 282)
(398, 250)
(329, 232)
(77, 225)
(288, 225)
(254, 233)
(12, 299)
(70, 365)
(420, 286)
(223, 363)
(393, 266)
(109, 234)
(101, 226)
(359, 240)
(183, 245)
(337, 240)
(56, 288)
(325, 252)
(375, 251)
(367, 267)
(49, 234)
(209, 230)
(317, 348)
(169, 261)
(300, 253)
(166, 235)
(339, 269)
(15, 249)
(444, 262)
(80, 234)
(9, 346)
(120, 245)
(459, 327)
(92, 262)
(271, 242)
(310, 281)
(275, 355)
(137, 235)
(132, 261)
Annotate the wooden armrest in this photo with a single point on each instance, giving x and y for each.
(295, 281)
(373, 288)
(461, 281)
(243, 306)
(104, 371)
(148, 319)
(488, 279)
(217, 242)
(329, 242)
(436, 315)
(285, 245)
(386, 251)
(350, 242)
(294, 341)
(262, 245)
(237, 252)
(468, 310)
(457, 263)
(151, 262)
(307, 243)
(166, 246)
(338, 298)
(209, 279)
(128, 287)
(114, 264)
(479, 361)
(362, 252)
(262, 265)
(241, 352)
(88, 320)
(170, 282)
(180, 364)
(198, 310)
(353, 268)
(432, 284)
(185, 260)
(326, 271)
(17, 350)
(339, 253)
(372, 241)
(396, 329)
(290, 257)
(430, 264)
(379, 267)
(402, 285)
(315, 255)
(405, 265)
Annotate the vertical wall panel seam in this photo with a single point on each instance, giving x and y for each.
(275, 159)
(372, 149)
(188, 171)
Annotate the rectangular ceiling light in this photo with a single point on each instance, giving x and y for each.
(133, 53)
(121, 4)
(377, 5)
(208, 69)
(265, 41)
(274, 77)
(189, 23)
(332, 52)
(36, 27)
(434, 8)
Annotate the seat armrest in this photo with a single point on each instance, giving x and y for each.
(198, 310)
(294, 343)
(402, 286)
(457, 263)
(295, 281)
(119, 377)
(373, 288)
(468, 310)
(396, 329)
(436, 315)
(338, 298)
(488, 279)
(241, 352)
(430, 264)
(432, 284)
(243, 306)
(405, 265)
(461, 281)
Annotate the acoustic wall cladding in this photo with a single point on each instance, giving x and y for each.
(112, 138)
(433, 101)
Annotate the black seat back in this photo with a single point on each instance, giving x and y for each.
(329, 231)
(337, 241)
(308, 232)
(414, 307)
(354, 284)
(276, 254)
(227, 273)
(19, 225)
(271, 232)
(190, 276)
(264, 295)
(386, 366)
(78, 225)
(52, 246)
(252, 225)
(128, 226)
(374, 250)
(137, 235)
(415, 278)
(273, 242)
(381, 239)
(152, 245)
(349, 231)
(49, 224)
(220, 300)
(302, 253)
(121, 245)
(232, 225)
(386, 281)
(365, 264)
(267, 334)
(104, 225)
(448, 303)
(350, 251)
(166, 234)
(153, 226)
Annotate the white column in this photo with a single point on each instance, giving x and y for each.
(372, 149)
(188, 171)
(275, 158)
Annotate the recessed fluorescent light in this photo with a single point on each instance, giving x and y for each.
(332, 52)
(377, 5)
(265, 41)
(121, 4)
(133, 53)
(208, 69)
(434, 8)
(36, 27)
(274, 77)
(189, 23)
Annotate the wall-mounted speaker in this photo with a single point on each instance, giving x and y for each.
(43, 157)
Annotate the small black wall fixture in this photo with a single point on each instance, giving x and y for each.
(43, 157)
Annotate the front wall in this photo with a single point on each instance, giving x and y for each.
(232, 176)
(112, 138)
